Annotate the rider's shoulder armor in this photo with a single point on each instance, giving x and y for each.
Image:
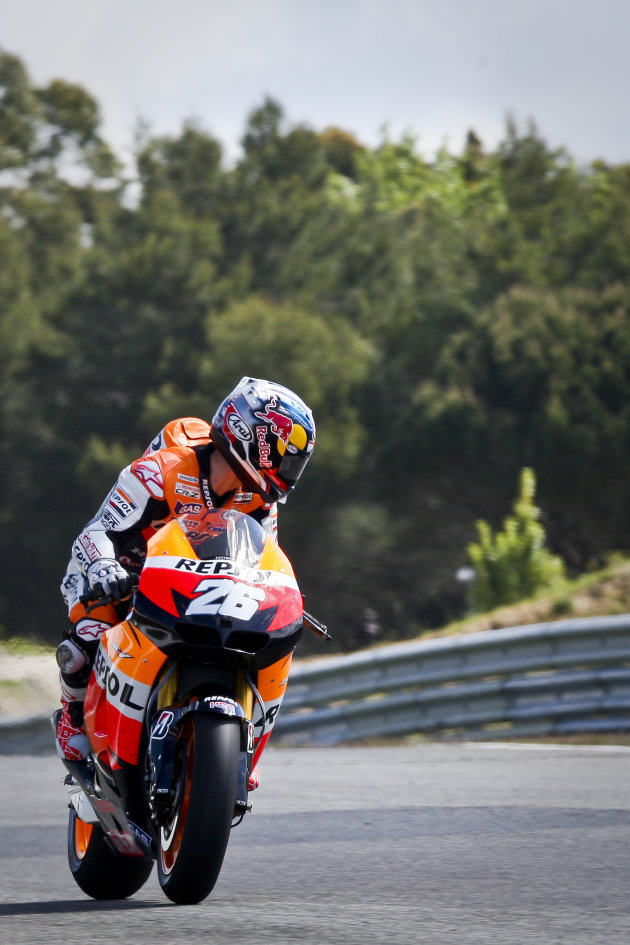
(185, 431)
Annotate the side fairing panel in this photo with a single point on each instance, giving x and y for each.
(125, 669)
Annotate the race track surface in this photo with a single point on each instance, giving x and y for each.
(427, 844)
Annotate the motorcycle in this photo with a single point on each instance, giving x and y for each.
(180, 703)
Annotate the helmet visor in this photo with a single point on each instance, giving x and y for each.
(292, 466)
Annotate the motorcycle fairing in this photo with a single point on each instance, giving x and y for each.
(219, 582)
(105, 806)
(125, 669)
(169, 592)
(252, 586)
(220, 571)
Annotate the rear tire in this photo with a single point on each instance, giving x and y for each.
(97, 869)
(192, 844)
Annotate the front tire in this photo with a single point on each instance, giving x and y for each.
(97, 869)
(193, 842)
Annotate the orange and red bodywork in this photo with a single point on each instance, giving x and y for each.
(125, 669)
(205, 598)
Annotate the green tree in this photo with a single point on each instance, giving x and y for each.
(270, 196)
(19, 111)
(40, 128)
(189, 166)
(513, 564)
(341, 149)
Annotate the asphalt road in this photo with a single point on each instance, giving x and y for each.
(360, 846)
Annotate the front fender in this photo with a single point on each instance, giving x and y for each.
(164, 728)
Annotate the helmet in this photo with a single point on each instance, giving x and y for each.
(266, 433)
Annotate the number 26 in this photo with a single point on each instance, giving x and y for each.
(226, 598)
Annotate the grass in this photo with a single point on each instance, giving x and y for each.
(24, 646)
(597, 594)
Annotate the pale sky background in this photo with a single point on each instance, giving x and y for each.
(434, 68)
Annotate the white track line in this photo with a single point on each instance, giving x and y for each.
(532, 746)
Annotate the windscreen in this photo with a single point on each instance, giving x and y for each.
(225, 534)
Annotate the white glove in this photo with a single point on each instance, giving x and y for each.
(107, 578)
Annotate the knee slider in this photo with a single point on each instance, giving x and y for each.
(70, 659)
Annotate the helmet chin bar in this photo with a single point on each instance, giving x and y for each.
(259, 485)
(265, 487)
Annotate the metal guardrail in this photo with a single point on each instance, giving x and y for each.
(544, 679)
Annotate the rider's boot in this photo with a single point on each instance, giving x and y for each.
(71, 741)
(74, 664)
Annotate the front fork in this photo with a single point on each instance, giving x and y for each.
(164, 727)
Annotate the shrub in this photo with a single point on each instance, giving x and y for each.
(513, 564)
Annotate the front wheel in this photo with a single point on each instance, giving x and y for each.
(97, 869)
(193, 842)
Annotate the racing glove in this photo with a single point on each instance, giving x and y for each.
(107, 578)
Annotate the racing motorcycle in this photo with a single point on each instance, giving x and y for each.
(180, 702)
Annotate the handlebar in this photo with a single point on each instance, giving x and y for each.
(91, 599)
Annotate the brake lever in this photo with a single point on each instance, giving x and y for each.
(316, 626)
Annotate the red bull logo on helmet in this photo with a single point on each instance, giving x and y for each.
(264, 450)
(280, 425)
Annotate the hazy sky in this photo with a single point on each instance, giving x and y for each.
(434, 68)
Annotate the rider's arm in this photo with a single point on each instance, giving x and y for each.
(136, 500)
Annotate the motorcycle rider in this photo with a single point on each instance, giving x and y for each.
(250, 458)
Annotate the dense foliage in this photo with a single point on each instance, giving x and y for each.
(450, 321)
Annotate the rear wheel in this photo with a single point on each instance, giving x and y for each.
(193, 841)
(97, 869)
